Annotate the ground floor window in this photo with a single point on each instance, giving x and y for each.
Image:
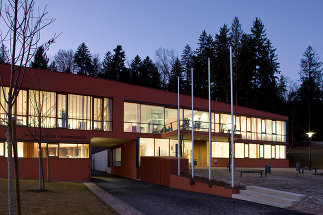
(220, 149)
(1, 149)
(116, 156)
(62, 150)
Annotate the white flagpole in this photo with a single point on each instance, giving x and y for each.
(192, 124)
(232, 123)
(179, 130)
(210, 126)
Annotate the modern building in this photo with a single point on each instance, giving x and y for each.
(79, 113)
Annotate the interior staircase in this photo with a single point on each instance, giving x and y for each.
(268, 196)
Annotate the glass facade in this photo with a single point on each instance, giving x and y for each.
(166, 147)
(140, 118)
(56, 110)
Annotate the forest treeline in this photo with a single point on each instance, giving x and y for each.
(258, 82)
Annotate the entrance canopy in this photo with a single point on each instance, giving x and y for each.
(102, 142)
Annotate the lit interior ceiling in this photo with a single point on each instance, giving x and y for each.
(102, 142)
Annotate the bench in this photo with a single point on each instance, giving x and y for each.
(252, 171)
(310, 169)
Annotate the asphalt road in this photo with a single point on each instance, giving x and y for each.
(155, 199)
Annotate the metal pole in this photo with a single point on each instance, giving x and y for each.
(310, 151)
(232, 123)
(210, 126)
(192, 123)
(179, 129)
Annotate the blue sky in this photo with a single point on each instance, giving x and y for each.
(143, 26)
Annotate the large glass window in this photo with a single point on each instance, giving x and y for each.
(173, 148)
(161, 147)
(3, 107)
(147, 147)
(61, 111)
(220, 149)
(42, 109)
(253, 152)
(21, 108)
(239, 150)
(170, 119)
(107, 114)
(79, 112)
(2, 149)
(187, 151)
(131, 117)
(97, 114)
(116, 156)
(267, 151)
(152, 119)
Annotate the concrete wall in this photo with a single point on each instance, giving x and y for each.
(100, 161)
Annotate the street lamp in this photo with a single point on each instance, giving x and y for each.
(310, 134)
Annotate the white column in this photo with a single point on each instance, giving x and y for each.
(232, 123)
(192, 123)
(179, 130)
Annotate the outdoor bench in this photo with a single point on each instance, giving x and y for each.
(310, 169)
(251, 171)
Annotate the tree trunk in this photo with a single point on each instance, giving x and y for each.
(14, 142)
(10, 168)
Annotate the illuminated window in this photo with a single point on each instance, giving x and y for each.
(107, 114)
(253, 152)
(187, 150)
(21, 108)
(220, 149)
(171, 119)
(2, 149)
(273, 150)
(3, 108)
(239, 150)
(116, 156)
(42, 109)
(217, 122)
(131, 117)
(246, 150)
(147, 147)
(152, 119)
(173, 148)
(79, 112)
(261, 151)
(267, 151)
(161, 147)
(61, 111)
(97, 114)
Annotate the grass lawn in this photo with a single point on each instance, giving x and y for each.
(300, 154)
(62, 198)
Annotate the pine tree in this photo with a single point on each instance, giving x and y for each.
(177, 71)
(236, 34)
(83, 60)
(135, 70)
(4, 55)
(205, 50)
(187, 63)
(118, 70)
(106, 67)
(149, 74)
(96, 67)
(40, 59)
(222, 65)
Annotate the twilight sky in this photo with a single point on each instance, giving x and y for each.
(143, 26)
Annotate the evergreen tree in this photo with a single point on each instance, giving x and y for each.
(309, 94)
(118, 71)
(106, 67)
(222, 65)
(4, 55)
(96, 67)
(187, 63)
(177, 71)
(236, 34)
(40, 59)
(83, 60)
(149, 74)
(205, 50)
(135, 70)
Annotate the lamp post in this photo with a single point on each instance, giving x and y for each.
(309, 134)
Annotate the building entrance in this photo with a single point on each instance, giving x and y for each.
(200, 153)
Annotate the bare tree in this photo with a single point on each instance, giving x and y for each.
(23, 22)
(165, 60)
(64, 61)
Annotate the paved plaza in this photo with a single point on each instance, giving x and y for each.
(285, 179)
